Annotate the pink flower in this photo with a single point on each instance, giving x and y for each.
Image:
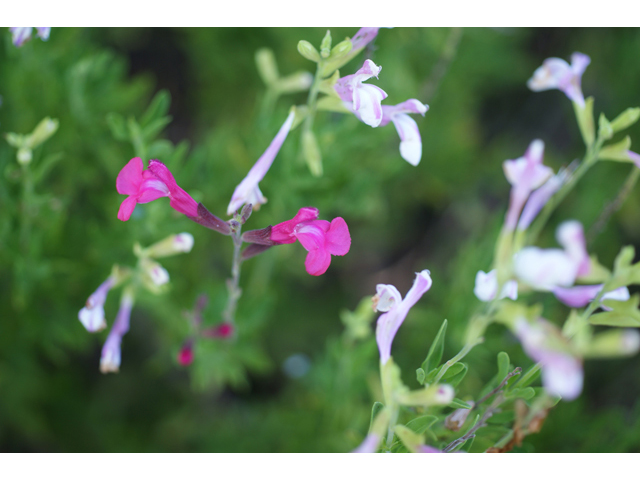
(525, 174)
(362, 99)
(388, 299)
(185, 355)
(410, 140)
(110, 358)
(562, 373)
(248, 191)
(92, 315)
(224, 330)
(319, 237)
(557, 73)
(148, 185)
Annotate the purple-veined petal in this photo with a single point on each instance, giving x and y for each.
(389, 322)
(367, 104)
(247, 191)
(110, 358)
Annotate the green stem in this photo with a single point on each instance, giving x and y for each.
(449, 363)
(589, 160)
(614, 206)
(233, 283)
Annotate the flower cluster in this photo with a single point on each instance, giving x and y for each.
(19, 35)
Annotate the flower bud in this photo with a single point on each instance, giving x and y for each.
(311, 153)
(625, 119)
(24, 156)
(297, 82)
(43, 131)
(172, 245)
(185, 355)
(325, 46)
(614, 343)
(267, 67)
(224, 330)
(456, 419)
(617, 152)
(308, 51)
(341, 49)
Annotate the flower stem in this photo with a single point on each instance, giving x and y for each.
(233, 283)
(615, 205)
(461, 354)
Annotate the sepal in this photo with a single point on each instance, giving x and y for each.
(209, 220)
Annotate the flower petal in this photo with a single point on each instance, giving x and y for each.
(545, 269)
(283, 232)
(486, 285)
(126, 208)
(570, 235)
(130, 177)
(386, 298)
(366, 104)
(410, 141)
(317, 261)
(247, 191)
(338, 239)
(311, 234)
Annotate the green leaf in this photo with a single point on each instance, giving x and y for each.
(455, 374)
(624, 273)
(179, 152)
(529, 376)
(503, 365)
(625, 119)
(605, 131)
(421, 424)
(457, 403)
(375, 410)
(617, 152)
(150, 131)
(437, 349)
(420, 375)
(624, 314)
(158, 107)
(584, 115)
(527, 393)
(117, 125)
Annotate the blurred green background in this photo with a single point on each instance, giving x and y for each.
(443, 215)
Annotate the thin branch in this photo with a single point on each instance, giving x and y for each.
(517, 371)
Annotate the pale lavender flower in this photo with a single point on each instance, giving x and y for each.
(561, 372)
(557, 73)
(362, 99)
(110, 358)
(370, 444)
(363, 37)
(540, 197)
(248, 191)
(92, 315)
(428, 449)
(581, 296)
(546, 269)
(388, 300)
(525, 174)
(486, 287)
(19, 35)
(410, 140)
(570, 235)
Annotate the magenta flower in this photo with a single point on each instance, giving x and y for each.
(223, 331)
(410, 140)
(19, 35)
(148, 185)
(247, 191)
(580, 296)
(110, 359)
(92, 315)
(525, 174)
(557, 73)
(362, 99)
(388, 299)
(185, 355)
(561, 372)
